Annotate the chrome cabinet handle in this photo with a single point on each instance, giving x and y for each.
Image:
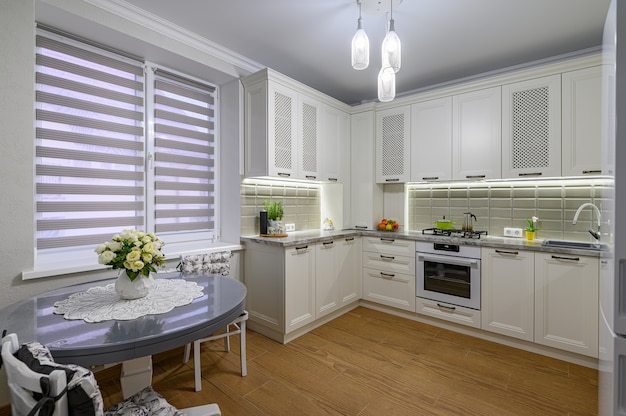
(387, 257)
(389, 240)
(284, 174)
(302, 248)
(361, 227)
(328, 243)
(350, 239)
(387, 274)
(450, 308)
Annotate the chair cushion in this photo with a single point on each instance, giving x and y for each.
(83, 394)
(143, 403)
(211, 263)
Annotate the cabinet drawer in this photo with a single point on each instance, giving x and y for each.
(452, 313)
(389, 263)
(391, 289)
(389, 245)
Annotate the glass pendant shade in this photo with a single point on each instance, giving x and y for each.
(360, 49)
(386, 84)
(392, 49)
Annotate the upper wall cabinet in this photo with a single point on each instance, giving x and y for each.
(431, 140)
(476, 135)
(282, 129)
(334, 145)
(531, 128)
(393, 145)
(582, 114)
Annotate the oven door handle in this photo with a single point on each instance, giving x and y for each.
(458, 261)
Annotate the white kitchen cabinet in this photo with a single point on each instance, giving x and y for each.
(337, 274)
(476, 135)
(281, 287)
(566, 302)
(453, 313)
(508, 292)
(393, 145)
(327, 277)
(389, 277)
(366, 196)
(581, 122)
(431, 140)
(350, 281)
(531, 128)
(281, 129)
(334, 144)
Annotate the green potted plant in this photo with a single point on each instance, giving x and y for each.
(531, 227)
(274, 217)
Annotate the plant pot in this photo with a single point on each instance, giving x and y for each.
(275, 227)
(530, 235)
(138, 288)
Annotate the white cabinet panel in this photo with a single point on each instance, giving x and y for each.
(393, 145)
(582, 116)
(566, 302)
(476, 135)
(334, 145)
(508, 292)
(299, 286)
(431, 140)
(531, 128)
(366, 195)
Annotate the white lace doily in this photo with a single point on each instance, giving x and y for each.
(101, 303)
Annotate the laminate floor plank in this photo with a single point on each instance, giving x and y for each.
(367, 362)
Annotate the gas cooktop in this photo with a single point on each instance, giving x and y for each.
(454, 233)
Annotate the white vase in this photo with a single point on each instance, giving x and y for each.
(138, 288)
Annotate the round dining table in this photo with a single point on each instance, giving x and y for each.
(76, 341)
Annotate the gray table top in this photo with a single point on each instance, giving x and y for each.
(78, 342)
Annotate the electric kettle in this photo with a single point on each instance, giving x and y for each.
(468, 223)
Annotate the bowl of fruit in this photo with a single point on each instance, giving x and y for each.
(388, 225)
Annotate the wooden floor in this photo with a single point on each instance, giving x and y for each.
(370, 363)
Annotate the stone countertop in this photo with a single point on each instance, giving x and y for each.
(297, 238)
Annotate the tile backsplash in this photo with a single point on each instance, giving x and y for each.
(301, 203)
(508, 204)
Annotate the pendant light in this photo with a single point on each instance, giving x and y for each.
(386, 84)
(391, 48)
(360, 46)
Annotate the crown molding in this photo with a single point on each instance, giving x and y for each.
(166, 28)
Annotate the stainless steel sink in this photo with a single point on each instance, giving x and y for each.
(574, 244)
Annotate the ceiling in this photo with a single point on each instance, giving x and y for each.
(442, 40)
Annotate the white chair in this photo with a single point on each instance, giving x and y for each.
(35, 392)
(214, 263)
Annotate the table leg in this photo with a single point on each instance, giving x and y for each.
(136, 375)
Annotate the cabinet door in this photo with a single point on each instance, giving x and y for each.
(299, 286)
(393, 145)
(334, 144)
(582, 115)
(366, 196)
(350, 280)
(308, 138)
(391, 289)
(431, 140)
(508, 292)
(327, 277)
(531, 128)
(566, 302)
(476, 135)
(282, 144)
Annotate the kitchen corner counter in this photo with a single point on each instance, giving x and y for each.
(313, 236)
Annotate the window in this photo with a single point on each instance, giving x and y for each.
(119, 144)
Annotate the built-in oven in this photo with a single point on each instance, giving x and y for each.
(448, 273)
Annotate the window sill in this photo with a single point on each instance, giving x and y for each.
(57, 263)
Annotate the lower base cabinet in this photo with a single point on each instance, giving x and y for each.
(389, 272)
(291, 287)
(508, 292)
(337, 281)
(566, 302)
(281, 286)
(546, 298)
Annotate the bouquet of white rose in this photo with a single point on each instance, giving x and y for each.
(133, 250)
